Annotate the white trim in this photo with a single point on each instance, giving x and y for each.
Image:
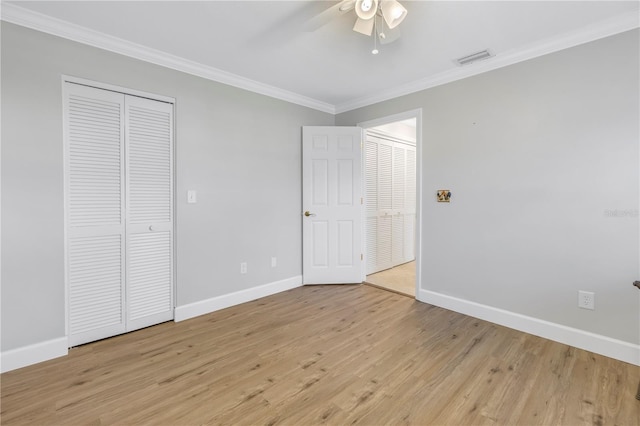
(33, 354)
(618, 24)
(401, 116)
(417, 114)
(40, 22)
(390, 137)
(227, 300)
(118, 89)
(58, 27)
(65, 198)
(44, 351)
(603, 345)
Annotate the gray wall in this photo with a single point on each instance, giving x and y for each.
(537, 156)
(542, 159)
(239, 150)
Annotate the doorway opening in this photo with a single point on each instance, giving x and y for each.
(391, 213)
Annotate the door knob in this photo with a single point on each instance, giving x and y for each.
(309, 214)
(151, 228)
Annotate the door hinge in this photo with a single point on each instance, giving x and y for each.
(361, 256)
(361, 200)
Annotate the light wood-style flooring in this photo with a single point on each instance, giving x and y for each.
(337, 355)
(400, 279)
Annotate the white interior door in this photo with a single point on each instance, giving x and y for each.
(332, 205)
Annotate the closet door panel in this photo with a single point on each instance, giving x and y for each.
(149, 278)
(385, 177)
(397, 239)
(149, 144)
(371, 204)
(372, 245)
(95, 288)
(385, 204)
(94, 210)
(397, 230)
(399, 166)
(384, 254)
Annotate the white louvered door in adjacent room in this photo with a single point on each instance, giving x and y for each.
(390, 201)
(371, 203)
(385, 205)
(119, 212)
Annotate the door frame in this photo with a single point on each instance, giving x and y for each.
(417, 114)
(126, 91)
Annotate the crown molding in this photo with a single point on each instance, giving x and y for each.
(40, 22)
(57, 27)
(616, 25)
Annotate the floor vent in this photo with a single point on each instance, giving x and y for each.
(478, 56)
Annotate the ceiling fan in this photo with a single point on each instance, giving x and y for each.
(383, 16)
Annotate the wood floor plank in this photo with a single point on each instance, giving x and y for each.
(325, 355)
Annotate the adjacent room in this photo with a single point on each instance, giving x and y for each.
(320, 212)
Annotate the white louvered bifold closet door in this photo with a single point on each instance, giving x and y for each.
(149, 141)
(399, 182)
(119, 212)
(95, 190)
(385, 205)
(390, 180)
(371, 203)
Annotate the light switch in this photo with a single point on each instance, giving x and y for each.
(191, 196)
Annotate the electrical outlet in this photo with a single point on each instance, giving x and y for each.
(586, 300)
(243, 268)
(274, 262)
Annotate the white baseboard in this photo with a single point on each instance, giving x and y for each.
(603, 345)
(227, 300)
(33, 354)
(44, 351)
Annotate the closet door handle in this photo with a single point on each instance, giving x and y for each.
(151, 228)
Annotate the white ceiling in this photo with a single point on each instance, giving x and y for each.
(264, 45)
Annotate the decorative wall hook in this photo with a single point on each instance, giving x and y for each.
(443, 195)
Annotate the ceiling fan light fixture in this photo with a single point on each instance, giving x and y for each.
(393, 12)
(363, 26)
(366, 9)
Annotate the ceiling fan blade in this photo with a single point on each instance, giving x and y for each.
(324, 17)
(364, 26)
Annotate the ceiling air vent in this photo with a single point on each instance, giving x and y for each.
(478, 56)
